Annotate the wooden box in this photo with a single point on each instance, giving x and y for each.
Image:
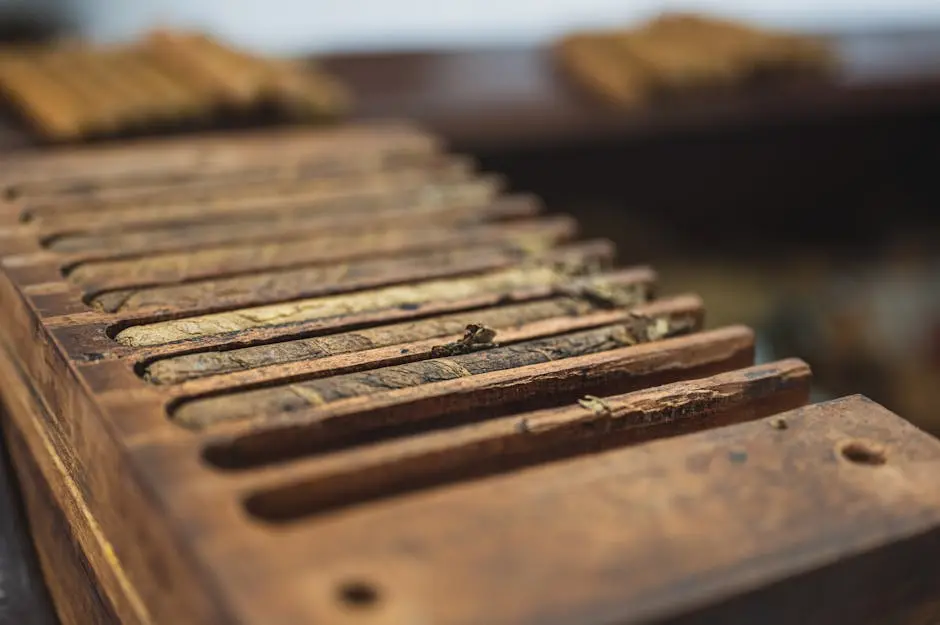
(341, 377)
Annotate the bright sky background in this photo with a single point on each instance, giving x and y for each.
(312, 25)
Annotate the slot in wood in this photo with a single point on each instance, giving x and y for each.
(232, 260)
(491, 447)
(391, 414)
(410, 297)
(84, 246)
(384, 345)
(418, 196)
(743, 524)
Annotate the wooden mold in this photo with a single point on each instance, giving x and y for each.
(274, 408)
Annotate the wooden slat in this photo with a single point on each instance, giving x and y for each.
(370, 196)
(88, 337)
(232, 260)
(83, 170)
(306, 281)
(390, 469)
(402, 342)
(279, 224)
(337, 424)
(413, 295)
(291, 180)
(313, 394)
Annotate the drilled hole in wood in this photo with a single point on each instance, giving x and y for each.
(358, 595)
(860, 452)
(11, 193)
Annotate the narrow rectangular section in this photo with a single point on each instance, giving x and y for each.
(285, 223)
(407, 411)
(502, 445)
(490, 357)
(307, 248)
(410, 296)
(411, 340)
(307, 281)
(419, 197)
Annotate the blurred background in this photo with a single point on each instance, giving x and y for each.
(808, 211)
(297, 26)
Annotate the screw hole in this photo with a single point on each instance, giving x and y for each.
(358, 595)
(863, 453)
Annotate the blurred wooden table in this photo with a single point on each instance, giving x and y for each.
(835, 153)
(490, 99)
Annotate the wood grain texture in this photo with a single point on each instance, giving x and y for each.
(411, 340)
(318, 393)
(231, 260)
(291, 181)
(417, 409)
(79, 566)
(729, 525)
(350, 422)
(311, 281)
(279, 225)
(367, 197)
(487, 447)
(90, 337)
(80, 171)
(414, 295)
(70, 576)
(274, 247)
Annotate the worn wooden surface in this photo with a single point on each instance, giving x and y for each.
(209, 397)
(649, 535)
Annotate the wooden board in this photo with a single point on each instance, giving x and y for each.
(211, 388)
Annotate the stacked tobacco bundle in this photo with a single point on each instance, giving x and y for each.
(679, 53)
(338, 376)
(73, 91)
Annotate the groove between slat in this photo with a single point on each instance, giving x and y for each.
(300, 395)
(293, 492)
(413, 295)
(389, 344)
(232, 260)
(404, 412)
(108, 245)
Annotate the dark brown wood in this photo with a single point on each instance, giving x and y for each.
(264, 432)
(804, 517)
(314, 394)
(394, 467)
(78, 171)
(229, 260)
(87, 246)
(67, 570)
(291, 181)
(404, 342)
